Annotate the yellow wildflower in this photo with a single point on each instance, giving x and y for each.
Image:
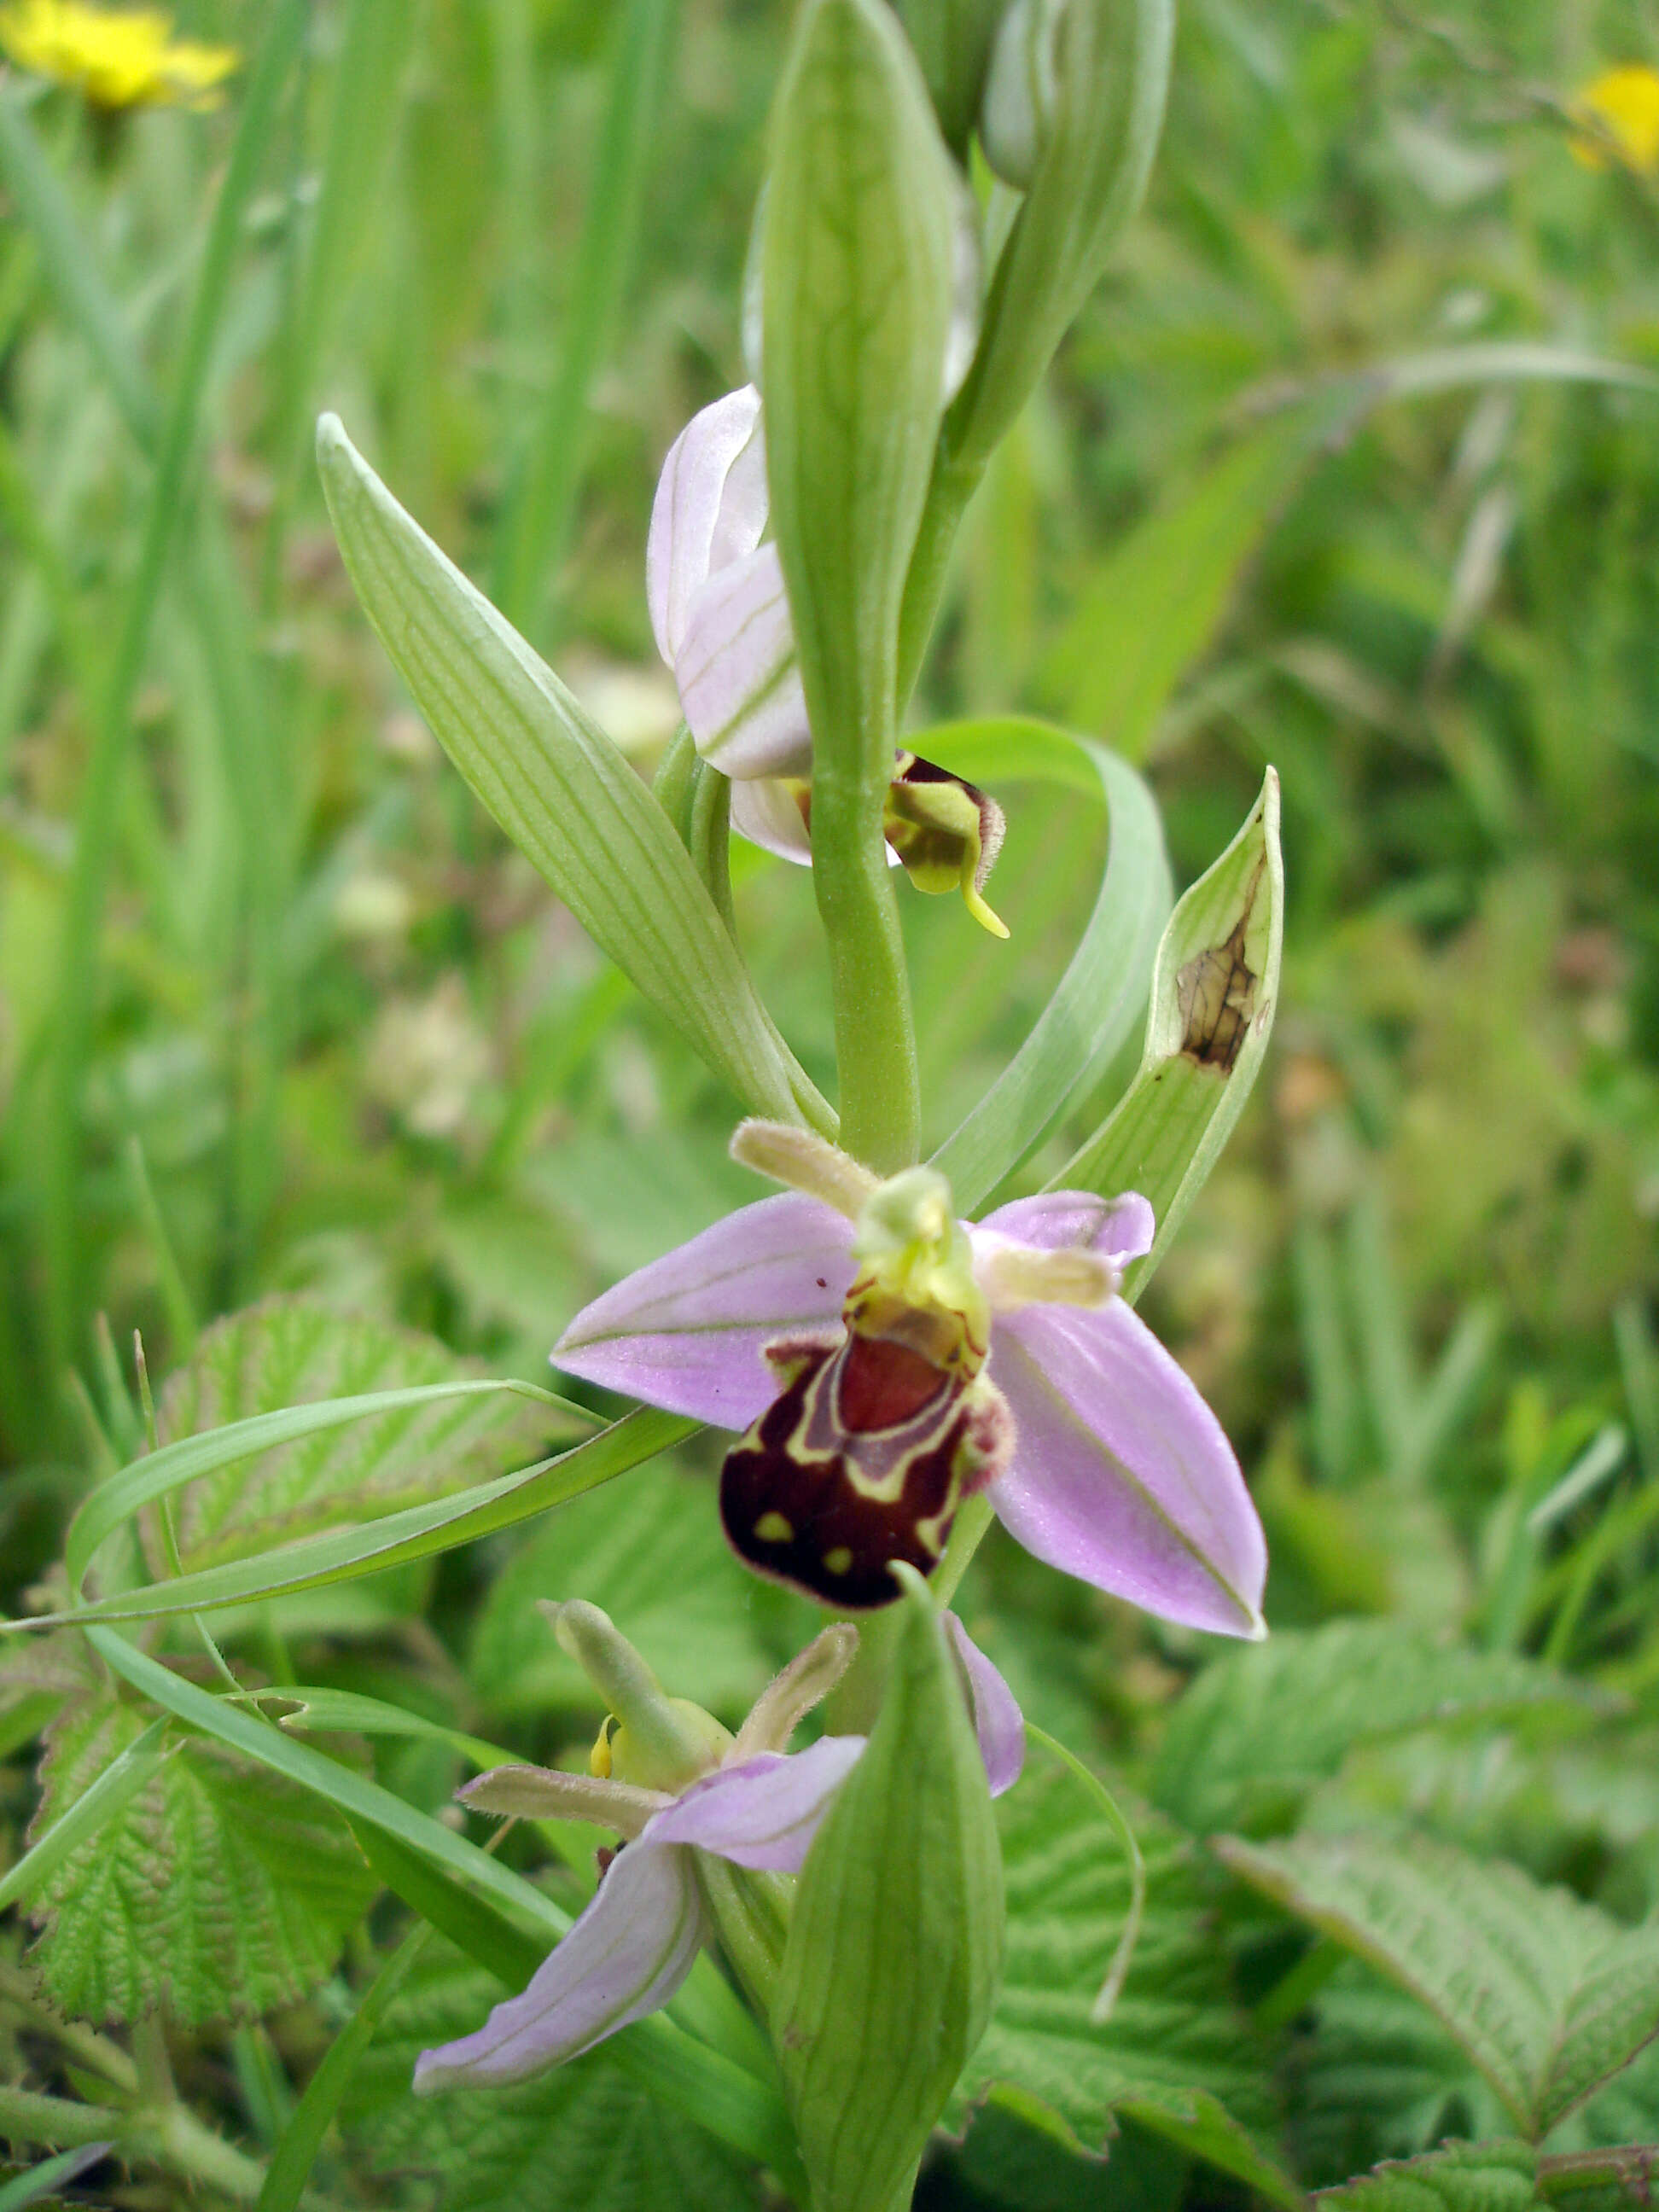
(1624, 102)
(118, 57)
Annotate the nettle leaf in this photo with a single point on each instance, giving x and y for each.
(1174, 2055)
(651, 1553)
(1261, 1728)
(295, 1350)
(1482, 2177)
(218, 1887)
(1372, 2076)
(1546, 1995)
(584, 2137)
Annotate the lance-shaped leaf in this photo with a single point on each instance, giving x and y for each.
(858, 276)
(895, 1946)
(558, 787)
(1094, 151)
(1214, 990)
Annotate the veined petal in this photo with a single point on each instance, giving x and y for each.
(739, 681)
(710, 510)
(1122, 1475)
(998, 1722)
(792, 1694)
(628, 1953)
(766, 1811)
(1118, 1229)
(688, 1331)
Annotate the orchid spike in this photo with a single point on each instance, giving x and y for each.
(754, 1805)
(886, 1360)
(720, 616)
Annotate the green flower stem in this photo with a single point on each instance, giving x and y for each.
(952, 485)
(870, 988)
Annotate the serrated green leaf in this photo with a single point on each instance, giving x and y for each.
(1487, 2177)
(297, 1351)
(222, 1889)
(896, 1940)
(1546, 1995)
(1098, 999)
(1174, 2054)
(559, 788)
(1215, 991)
(651, 1554)
(583, 2138)
(1262, 1725)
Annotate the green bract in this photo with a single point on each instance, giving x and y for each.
(952, 40)
(894, 1949)
(558, 787)
(1215, 989)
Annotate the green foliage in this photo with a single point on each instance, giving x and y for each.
(1264, 1725)
(292, 1352)
(584, 2139)
(653, 1556)
(218, 1889)
(1546, 1995)
(1487, 2177)
(1174, 2054)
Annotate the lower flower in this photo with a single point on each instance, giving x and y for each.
(687, 1801)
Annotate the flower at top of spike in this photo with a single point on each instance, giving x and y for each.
(1623, 102)
(687, 1800)
(886, 1360)
(721, 615)
(118, 57)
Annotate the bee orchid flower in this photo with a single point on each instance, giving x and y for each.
(721, 614)
(689, 1802)
(886, 1360)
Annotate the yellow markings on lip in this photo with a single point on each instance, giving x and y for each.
(773, 1528)
(836, 1562)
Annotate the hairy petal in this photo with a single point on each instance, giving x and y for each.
(628, 1953)
(688, 1331)
(1122, 1475)
(738, 679)
(998, 1722)
(544, 1793)
(1118, 1230)
(764, 1812)
(788, 1698)
(710, 510)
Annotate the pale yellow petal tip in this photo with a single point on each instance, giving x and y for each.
(1621, 104)
(984, 915)
(115, 58)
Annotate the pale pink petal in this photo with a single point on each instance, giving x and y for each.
(628, 1953)
(688, 1331)
(1119, 1229)
(998, 1722)
(710, 508)
(766, 1811)
(738, 679)
(764, 811)
(1122, 1475)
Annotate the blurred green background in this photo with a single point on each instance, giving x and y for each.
(281, 1012)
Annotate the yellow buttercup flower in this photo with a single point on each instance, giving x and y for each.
(118, 58)
(1624, 102)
